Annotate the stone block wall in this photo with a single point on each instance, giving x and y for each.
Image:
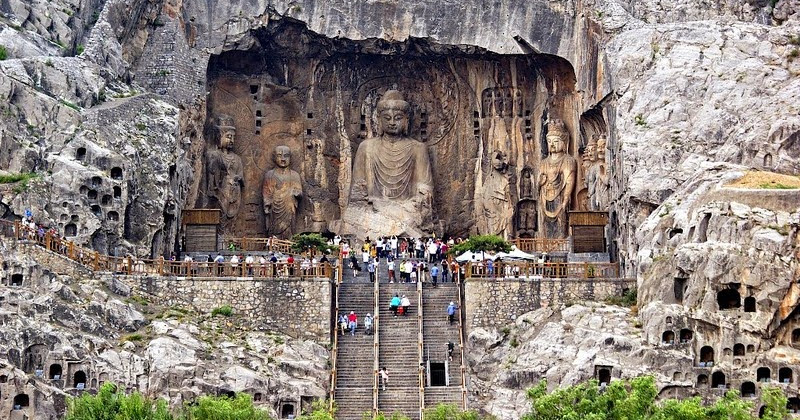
(494, 303)
(298, 308)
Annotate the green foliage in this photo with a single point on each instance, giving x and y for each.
(69, 104)
(79, 50)
(224, 310)
(776, 186)
(132, 338)
(112, 404)
(320, 410)
(640, 121)
(451, 412)
(224, 408)
(482, 243)
(627, 299)
(794, 53)
(302, 242)
(12, 178)
(635, 400)
(3, 53)
(394, 416)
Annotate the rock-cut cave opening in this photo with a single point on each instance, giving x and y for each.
(318, 96)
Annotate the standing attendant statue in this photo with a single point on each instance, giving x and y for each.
(224, 171)
(556, 182)
(281, 193)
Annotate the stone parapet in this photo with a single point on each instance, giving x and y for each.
(494, 303)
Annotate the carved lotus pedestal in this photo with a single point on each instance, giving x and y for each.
(382, 218)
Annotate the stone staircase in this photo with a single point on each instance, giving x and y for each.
(437, 332)
(398, 351)
(356, 356)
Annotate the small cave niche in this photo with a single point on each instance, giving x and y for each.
(80, 154)
(718, 380)
(748, 389)
(727, 352)
(751, 348)
(96, 210)
(91, 195)
(79, 380)
(116, 173)
(55, 372)
(603, 374)
(117, 192)
(106, 200)
(679, 288)
(761, 411)
(706, 356)
(21, 401)
(785, 375)
(750, 304)
(257, 397)
(763, 374)
(83, 190)
(97, 181)
(702, 380)
(229, 394)
(793, 405)
(676, 376)
(16, 280)
(33, 358)
(686, 335)
(70, 229)
(668, 320)
(674, 231)
(728, 299)
(738, 349)
(768, 161)
(796, 337)
(668, 337)
(702, 229)
(113, 216)
(287, 410)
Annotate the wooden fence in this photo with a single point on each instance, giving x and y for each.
(130, 265)
(541, 245)
(522, 269)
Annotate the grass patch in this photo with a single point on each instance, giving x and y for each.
(766, 181)
(132, 338)
(627, 299)
(3, 52)
(80, 49)
(69, 104)
(141, 300)
(640, 121)
(224, 310)
(21, 180)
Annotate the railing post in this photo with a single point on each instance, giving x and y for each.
(17, 230)
(96, 260)
(161, 265)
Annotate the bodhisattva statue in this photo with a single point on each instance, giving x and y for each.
(224, 173)
(281, 191)
(494, 209)
(393, 166)
(599, 197)
(556, 182)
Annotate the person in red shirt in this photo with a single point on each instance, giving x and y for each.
(290, 265)
(352, 321)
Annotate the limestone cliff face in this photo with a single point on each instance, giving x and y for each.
(689, 93)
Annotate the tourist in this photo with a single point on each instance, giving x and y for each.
(451, 312)
(262, 263)
(365, 257)
(434, 274)
(405, 304)
(343, 323)
(409, 269)
(379, 246)
(394, 304)
(354, 265)
(490, 267)
(290, 265)
(433, 251)
(412, 274)
(218, 260)
(371, 270)
(345, 250)
(352, 321)
(393, 246)
(248, 261)
(368, 324)
(390, 265)
(450, 348)
(337, 240)
(384, 374)
(444, 272)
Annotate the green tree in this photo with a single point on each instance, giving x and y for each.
(224, 408)
(303, 242)
(320, 410)
(450, 412)
(112, 404)
(482, 243)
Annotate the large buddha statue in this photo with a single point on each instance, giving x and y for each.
(224, 176)
(493, 207)
(392, 165)
(281, 191)
(392, 185)
(556, 182)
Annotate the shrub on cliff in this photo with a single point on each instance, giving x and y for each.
(481, 243)
(636, 400)
(303, 242)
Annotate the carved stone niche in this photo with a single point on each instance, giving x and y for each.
(319, 97)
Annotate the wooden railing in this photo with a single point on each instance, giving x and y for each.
(518, 269)
(541, 245)
(258, 244)
(335, 347)
(461, 348)
(160, 267)
(420, 346)
(376, 319)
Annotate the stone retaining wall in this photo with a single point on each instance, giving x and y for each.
(297, 307)
(494, 303)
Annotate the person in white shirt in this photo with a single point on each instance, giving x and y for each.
(336, 240)
(406, 304)
(390, 264)
(249, 260)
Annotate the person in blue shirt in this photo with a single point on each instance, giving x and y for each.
(434, 274)
(394, 304)
(451, 312)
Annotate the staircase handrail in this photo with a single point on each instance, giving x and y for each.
(335, 349)
(375, 342)
(420, 346)
(459, 284)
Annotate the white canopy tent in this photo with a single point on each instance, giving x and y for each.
(515, 254)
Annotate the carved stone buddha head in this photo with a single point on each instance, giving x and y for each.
(282, 156)
(226, 132)
(393, 113)
(556, 137)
